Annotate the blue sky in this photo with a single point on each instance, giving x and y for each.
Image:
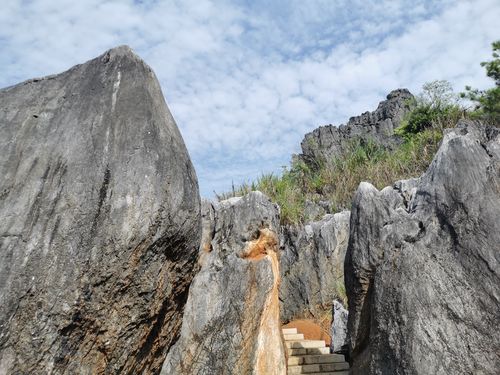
(245, 80)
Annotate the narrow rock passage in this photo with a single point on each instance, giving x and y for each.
(312, 356)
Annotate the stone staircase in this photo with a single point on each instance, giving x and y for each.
(312, 357)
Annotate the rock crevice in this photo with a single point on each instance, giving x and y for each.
(312, 266)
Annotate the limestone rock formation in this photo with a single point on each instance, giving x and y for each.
(338, 331)
(313, 211)
(312, 265)
(423, 265)
(207, 230)
(231, 323)
(327, 142)
(100, 222)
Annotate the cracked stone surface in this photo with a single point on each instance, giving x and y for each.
(312, 266)
(100, 221)
(422, 268)
(231, 324)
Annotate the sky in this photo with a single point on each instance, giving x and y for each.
(246, 80)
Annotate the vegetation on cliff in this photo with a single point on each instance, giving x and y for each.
(335, 181)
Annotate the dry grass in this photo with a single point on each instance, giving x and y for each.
(338, 179)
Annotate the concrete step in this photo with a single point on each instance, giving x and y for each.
(321, 368)
(294, 337)
(300, 351)
(313, 359)
(304, 351)
(289, 331)
(305, 344)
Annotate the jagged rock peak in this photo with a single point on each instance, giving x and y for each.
(391, 108)
(118, 53)
(327, 142)
(400, 93)
(123, 50)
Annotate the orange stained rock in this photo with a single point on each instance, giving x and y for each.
(207, 247)
(270, 351)
(257, 249)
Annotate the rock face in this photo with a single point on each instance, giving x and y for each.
(312, 265)
(100, 221)
(207, 230)
(313, 211)
(422, 269)
(338, 331)
(231, 322)
(327, 142)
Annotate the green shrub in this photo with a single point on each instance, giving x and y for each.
(435, 107)
(424, 116)
(419, 119)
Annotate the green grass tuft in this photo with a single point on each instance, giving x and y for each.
(336, 180)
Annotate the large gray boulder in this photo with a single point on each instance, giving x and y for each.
(312, 266)
(422, 268)
(327, 142)
(231, 323)
(100, 221)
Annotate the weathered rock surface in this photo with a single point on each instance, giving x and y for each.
(327, 142)
(422, 267)
(231, 323)
(313, 211)
(207, 230)
(338, 331)
(312, 266)
(100, 222)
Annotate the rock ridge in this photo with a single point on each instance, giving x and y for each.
(327, 142)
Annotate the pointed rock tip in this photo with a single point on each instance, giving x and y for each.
(123, 51)
(401, 92)
(119, 52)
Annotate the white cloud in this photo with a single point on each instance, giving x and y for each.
(246, 80)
